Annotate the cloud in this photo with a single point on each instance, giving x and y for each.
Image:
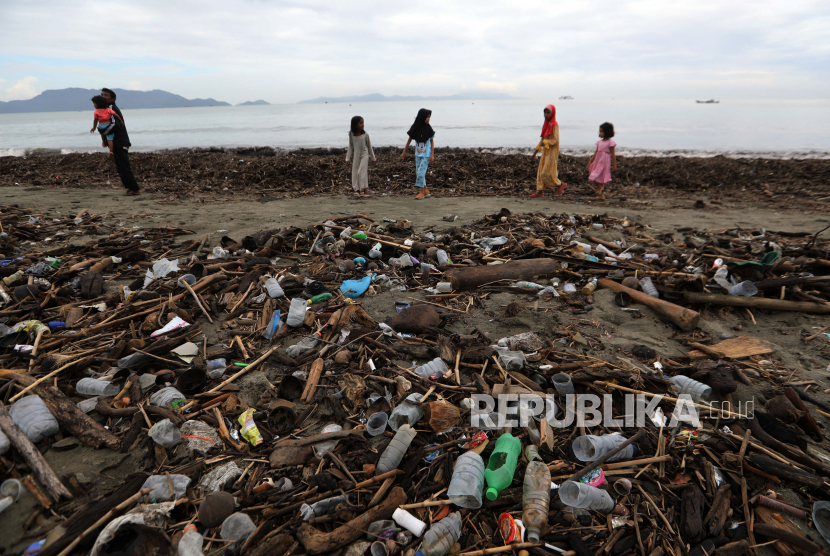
(500, 86)
(134, 85)
(20, 90)
(289, 50)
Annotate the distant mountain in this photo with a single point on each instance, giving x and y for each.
(254, 103)
(377, 97)
(65, 100)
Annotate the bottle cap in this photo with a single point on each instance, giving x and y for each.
(189, 527)
(492, 493)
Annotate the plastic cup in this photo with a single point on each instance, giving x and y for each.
(376, 423)
(563, 384)
(745, 288)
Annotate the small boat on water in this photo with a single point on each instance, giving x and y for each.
(710, 101)
(566, 97)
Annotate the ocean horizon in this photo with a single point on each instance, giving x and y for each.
(789, 128)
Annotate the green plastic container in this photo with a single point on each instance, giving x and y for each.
(319, 298)
(359, 235)
(502, 464)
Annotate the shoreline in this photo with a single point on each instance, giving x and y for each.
(579, 151)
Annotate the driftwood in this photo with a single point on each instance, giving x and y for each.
(465, 279)
(684, 318)
(789, 472)
(32, 456)
(795, 455)
(316, 542)
(691, 515)
(755, 302)
(786, 535)
(73, 420)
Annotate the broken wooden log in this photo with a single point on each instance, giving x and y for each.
(684, 318)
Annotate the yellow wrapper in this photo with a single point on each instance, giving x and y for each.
(249, 429)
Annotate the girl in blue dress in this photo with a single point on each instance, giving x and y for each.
(423, 135)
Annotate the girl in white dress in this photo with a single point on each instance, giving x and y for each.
(360, 148)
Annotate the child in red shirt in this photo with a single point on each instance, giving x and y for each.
(104, 120)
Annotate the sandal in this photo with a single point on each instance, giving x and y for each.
(561, 189)
(132, 192)
(419, 197)
(537, 195)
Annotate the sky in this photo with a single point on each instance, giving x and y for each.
(284, 51)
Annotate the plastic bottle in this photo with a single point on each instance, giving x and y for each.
(4, 443)
(528, 285)
(580, 495)
(536, 496)
(323, 448)
(648, 287)
(442, 257)
(95, 387)
(165, 434)
(563, 384)
(444, 287)
(406, 412)
(393, 454)
(274, 326)
(216, 367)
(591, 448)
(296, 313)
(375, 252)
(745, 288)
(439, 539)
(161, 487)
(347, 233)
(359, 235)
(167, 398)
(273, 288)
(590, 287)
(237, 526)
(502, 464)
(432, 370)
(697, 390)
(720, 278)
(34, 418)
(191, 542)
(321, 508)
(9, 280)
(303, 345)
(467, 481)
(319, 298)
(376, 423)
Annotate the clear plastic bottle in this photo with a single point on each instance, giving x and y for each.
(467, 481)
(720, 278)
(95, 387)
(439, 539)
(273, 288)
(590, 287)
(296, 314)
(321, 508)
(160, 487)
(191, 542)
(432, 370)
(375, 252)
(393, 454)
(648, 287)
(34, 418)
(303, 345)
(536, 499)
(442, 257)
(323, 448)
(527, 285)
(697, 390)
(580, 495)
(502, 464)
(274, 326)
(591, 447)
(406, 412)
(4, 443)
(168, 398)
(165, 434)
(237, 526)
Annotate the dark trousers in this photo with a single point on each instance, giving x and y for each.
(122, 164)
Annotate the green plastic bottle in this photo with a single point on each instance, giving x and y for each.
(359, 235)
(319, 298)
(502, 464)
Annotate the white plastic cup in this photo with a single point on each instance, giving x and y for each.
(563, 384)
(580, 495)
(376, 423)
(745, 288)
(406, 413)
(409, 522)
(296, 314)
(273, 288)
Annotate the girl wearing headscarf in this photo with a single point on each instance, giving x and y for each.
(547, 175)
(422, 133)
(360, 147)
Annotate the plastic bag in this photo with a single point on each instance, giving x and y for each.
(250, 432)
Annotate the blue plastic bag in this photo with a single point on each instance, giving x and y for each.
(356, 288)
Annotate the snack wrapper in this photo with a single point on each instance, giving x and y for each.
(250, 432)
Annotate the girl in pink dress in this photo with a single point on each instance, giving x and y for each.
(603, 161)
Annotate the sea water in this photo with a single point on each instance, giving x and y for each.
(778, 128)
